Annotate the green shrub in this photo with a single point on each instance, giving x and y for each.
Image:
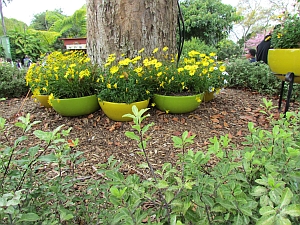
(227, 49)
(12, 81)
(256, 184)
(197, 45)
(255, 76)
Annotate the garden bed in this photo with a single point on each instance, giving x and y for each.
(100, 137)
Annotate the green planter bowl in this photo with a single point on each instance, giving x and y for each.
(115, 111)
(177, 104)
(76, 106)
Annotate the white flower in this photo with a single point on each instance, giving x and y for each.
(225, 81)
(225, 73)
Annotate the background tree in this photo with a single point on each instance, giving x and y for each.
(26, 43)
(209, 20)
(44, 20)
(258, 18)
(124, 26)
(13, 25)
(1, 13)
(72, 26)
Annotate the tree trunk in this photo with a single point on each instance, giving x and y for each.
(126, 26)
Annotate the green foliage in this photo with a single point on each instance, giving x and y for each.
(26, 44)
(47, 38)
(43, 21)
(209, 20)
(287, 35)
(13, 25)
(227, 49)
(12, 82)
(27, 195)
(196, 44)
(255, 184)
(72, 26)
(256, 76)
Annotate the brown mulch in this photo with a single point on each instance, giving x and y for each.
(100, 137)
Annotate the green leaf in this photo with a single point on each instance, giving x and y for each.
(29, 217)
(286, 197)
(292, 210)
(246, 210)
(132, 135)
(280, 220)
(45, 136)
(48, 158)
(189, 185)
(65, 214)
(267, 210)
(162, 184)
(259, 191)
(266, 220)
(173, 220)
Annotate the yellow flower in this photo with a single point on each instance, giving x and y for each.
(158, 64)
(159, 74)
(193, 53)
(198, 99)
(205, 63)
(124, 62)
(222, 68)
(279, 35)
(50, 98)
(143, 49)
(212, 54)
(108, 86)
(153, 104)
(155, 50)
(114, 69)
(138, 69)
(165, 49)
(115, 85)
(204, 71)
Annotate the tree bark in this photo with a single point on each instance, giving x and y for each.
(126, 26)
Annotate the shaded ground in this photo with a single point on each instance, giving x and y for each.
(101, 137)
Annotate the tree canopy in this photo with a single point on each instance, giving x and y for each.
(209, 20)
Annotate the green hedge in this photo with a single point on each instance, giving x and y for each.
(12, 81)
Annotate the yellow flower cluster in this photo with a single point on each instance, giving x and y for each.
(64, 75)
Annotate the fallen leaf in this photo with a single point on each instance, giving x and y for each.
(71, 143)
(248, 118)
(225, 124)
(239, 133)
(217, 116)
(177, 133)
(175, 119)
(215, 120)
(230, 135)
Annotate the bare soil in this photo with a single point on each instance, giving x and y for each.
(100, 137)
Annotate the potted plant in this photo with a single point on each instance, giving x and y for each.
(284, 58)
(285, 55)
(37, 83)
(122, 83)
(70, 80)
(180, 88)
